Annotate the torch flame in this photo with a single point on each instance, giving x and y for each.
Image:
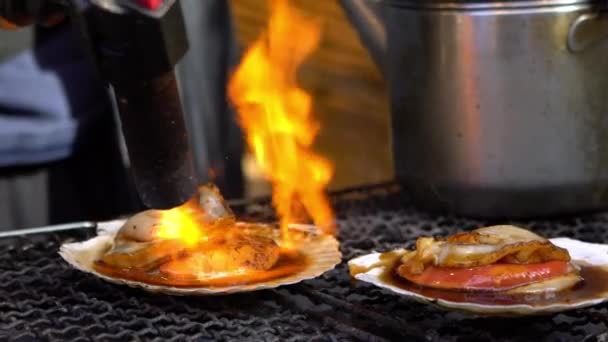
(276, 117)
(182, 223)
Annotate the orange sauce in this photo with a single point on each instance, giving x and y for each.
(594, 284)
(288, 264)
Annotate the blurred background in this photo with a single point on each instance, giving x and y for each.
(62, 158)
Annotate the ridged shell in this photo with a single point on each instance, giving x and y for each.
(590, 254)
(322, 251)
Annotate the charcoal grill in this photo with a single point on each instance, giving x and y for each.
(42, 298)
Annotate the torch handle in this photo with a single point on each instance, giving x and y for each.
(158, 146)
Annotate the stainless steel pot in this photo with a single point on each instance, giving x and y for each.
(499, 109)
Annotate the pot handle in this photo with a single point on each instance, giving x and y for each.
(586, 30)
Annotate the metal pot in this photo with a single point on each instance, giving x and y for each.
(499, 109)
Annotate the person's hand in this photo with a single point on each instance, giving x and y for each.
(14, 24)
(46, 16)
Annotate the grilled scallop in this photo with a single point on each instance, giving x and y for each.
(313, 255)
(200, 249)
(496, 258)
(499, 270)
(236, 253)
(139, 245)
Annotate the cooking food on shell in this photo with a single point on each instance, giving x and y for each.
(204, 237)
(498, 258)
(497, 269)
(201, 248)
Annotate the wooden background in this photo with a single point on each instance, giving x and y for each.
(349, 93)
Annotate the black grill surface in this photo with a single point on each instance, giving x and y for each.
(42, 298)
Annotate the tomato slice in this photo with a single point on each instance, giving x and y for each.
(495, 277)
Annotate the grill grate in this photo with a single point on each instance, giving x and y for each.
(44, 299)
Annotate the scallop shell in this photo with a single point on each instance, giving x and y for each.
(583, 253)
(322, 250)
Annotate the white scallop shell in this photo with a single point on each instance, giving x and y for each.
(586, 253)
(322, 250)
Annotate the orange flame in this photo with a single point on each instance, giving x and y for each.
(182, 223)
(276, 116)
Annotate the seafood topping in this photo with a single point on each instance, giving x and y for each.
(153, 237)
(233, 251)
(197, 241)
(497, 258)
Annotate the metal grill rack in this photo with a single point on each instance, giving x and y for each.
(42, 298)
